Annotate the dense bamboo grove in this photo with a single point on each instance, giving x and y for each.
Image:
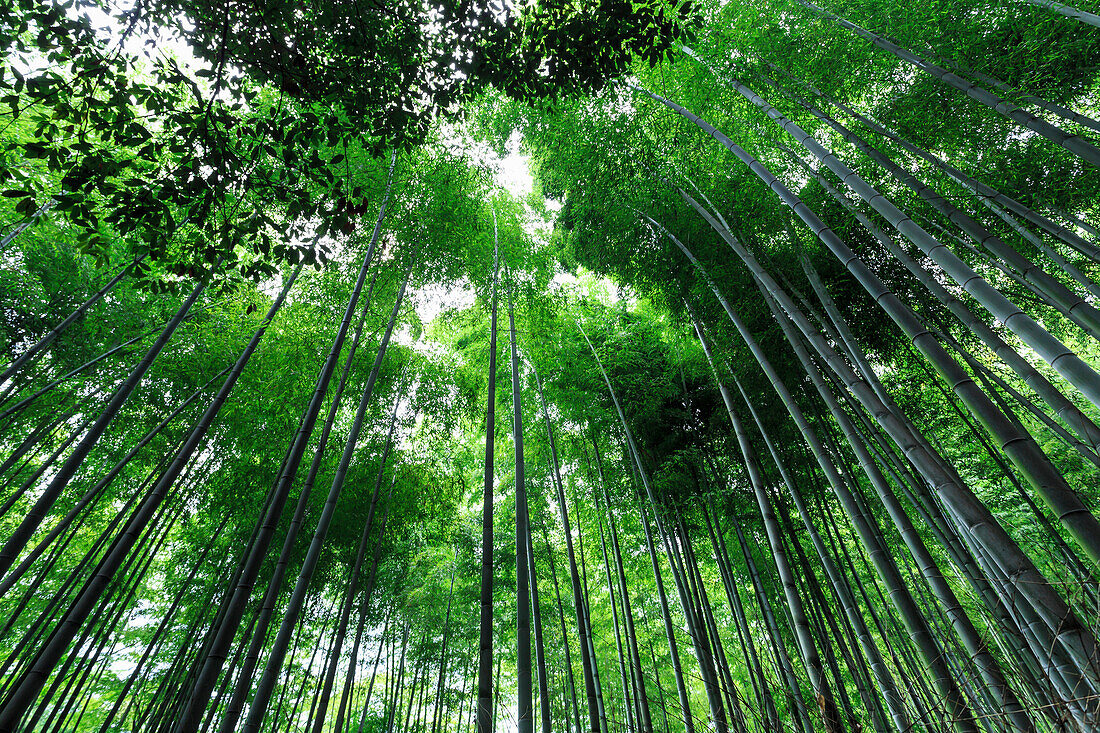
(771, 403)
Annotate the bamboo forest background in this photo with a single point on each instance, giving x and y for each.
(770, 405)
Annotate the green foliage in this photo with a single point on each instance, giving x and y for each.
(275, 144)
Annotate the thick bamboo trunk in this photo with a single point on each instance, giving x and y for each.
(1068, 11)
(485, 635)
(524, 716)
